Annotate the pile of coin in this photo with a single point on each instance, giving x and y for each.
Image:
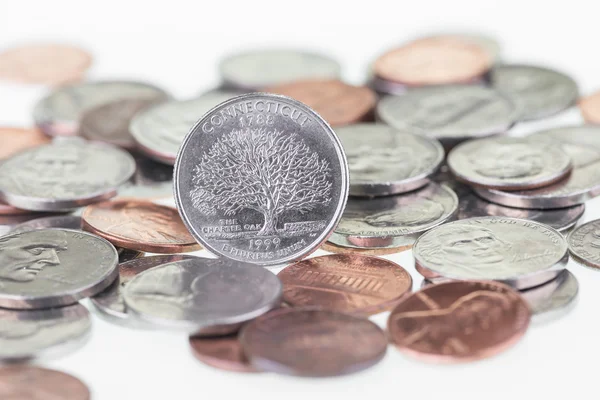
(283, 159)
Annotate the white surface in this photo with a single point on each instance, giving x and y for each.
(177, 44)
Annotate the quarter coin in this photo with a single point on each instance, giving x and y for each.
(53, 267)
(223, 352)
(584, 243)
(262, 179)
(30, 383)
(15, 140)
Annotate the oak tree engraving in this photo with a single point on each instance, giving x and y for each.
(269, 171)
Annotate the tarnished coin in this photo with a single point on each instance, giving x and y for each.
(584, 243)
(110, 304)
(202, 296)
(517, 252)
(383, 160)
(538, 92)
(160, 130)
(509, 163)
(223, 352)
(109, 122)
(64, 175)
(590, 107)
(27, 335)
(433, 61)
(55, 221)
(15, 140)
(394, 221)
(449, 113)
(552, 299)
(459, 321)
(261, 68)
(262, 179)
(337, 102)
(52, 64)
(53, 267)
(312, 343)
(34, 383)
(582, 144)
(349, 283)
(139, 225)
(334, 248)
(59, 113)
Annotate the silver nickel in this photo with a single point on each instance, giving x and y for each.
(53, 267)
(29, 335)
(520, 253)
(160, 130)
(262, 179)
(451, 114)
(56, 221)
(538, 92)
(509, 163)
(553, 299)
(384, 161)
(64, 175)
(60, 112)
(264, 68)
(584, 244)
(202, 296)
(394, 221)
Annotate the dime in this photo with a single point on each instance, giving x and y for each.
(262, 179)
(584, 243)
(64, 175)
(15, 140)
(337, 102)
(56, 221)
(223, 352)
(27, 335)
(394, 221)
(509, 163)
(459, 321)
(152, 180)
(582, 144)
(160, 130)
(449, 113)
(110, 122)
(384, 161)
(202, 296)
(261, 68)
(53, 267)
(552, 299)
(59, 113)
(433, 61)
(517, 252)
(538, 92)
(139, 225)
(334, 248)
(349, 283)
(110, 304)
(52, 64)
(590, 107)
(32, 383)
(308, 342)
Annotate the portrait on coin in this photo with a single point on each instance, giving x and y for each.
(509, 160)
(392, 163)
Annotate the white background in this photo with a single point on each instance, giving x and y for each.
(177, 45)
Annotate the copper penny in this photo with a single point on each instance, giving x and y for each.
(459, 321)
(349, 283)
(337, 102)
(34, 383)
(139, 225)
(223, 352)
(312, 342)
(15, 140)
(334, 248)
(51, 64)
(590, 108)
(433, 61)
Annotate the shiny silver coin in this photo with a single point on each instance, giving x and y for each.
(553, 299)
(110, 305)
(202, 296)
(28, 335)
(582, 145)
(53, 267)
(64, 175)
(263, 68)
(394, 221)
(160, 130)
(383, 160)
(451, 114)
(261, 179)
(520, 253)
(56, 221)
(152, 180)
(509, 163)
(538, 92)
(59, 113)
(584, 243)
